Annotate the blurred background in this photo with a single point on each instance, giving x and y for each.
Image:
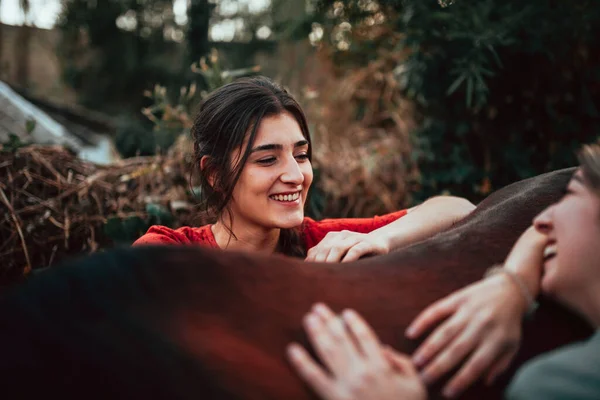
(406, 99)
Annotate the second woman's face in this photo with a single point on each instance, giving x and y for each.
(571, 268)
(274, 182)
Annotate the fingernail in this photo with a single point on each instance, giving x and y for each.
(293, 351)
(418, 360)
(449, 392)
(411, 332)
(319, 308)
(311, 320)
(348, 315)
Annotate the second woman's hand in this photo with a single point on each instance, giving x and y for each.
(481, 322)
(483, 327)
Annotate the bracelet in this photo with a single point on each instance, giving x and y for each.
(532, 305)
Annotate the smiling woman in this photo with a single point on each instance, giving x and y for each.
(570, 272)
(253, 148)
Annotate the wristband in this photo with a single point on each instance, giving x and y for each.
(532, 305)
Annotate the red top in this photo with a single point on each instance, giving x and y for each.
(312, 231)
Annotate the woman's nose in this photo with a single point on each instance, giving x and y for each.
(543, 222)
(292, 173)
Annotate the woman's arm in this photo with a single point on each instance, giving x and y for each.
(422, 221)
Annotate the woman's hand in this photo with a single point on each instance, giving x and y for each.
(348, 246)
(360, 368)
(483, 322)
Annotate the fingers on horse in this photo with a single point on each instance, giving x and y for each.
(339, 250)
(331, 241)
(500, 366)
(310, 371)
(434, 313)
(311, 254)
(365, 337)
(357, 251)
(455, 352)
(475, 367)
(441, 337)
(319, 253)
(336, 253)
(400, 362)
(323, 311)
(331, 342)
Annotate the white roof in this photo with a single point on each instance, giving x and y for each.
(15, 111)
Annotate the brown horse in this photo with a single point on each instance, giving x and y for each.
(187, 322)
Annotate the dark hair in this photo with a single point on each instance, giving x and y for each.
(226, 118)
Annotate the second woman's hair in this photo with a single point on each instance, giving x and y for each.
(589, 160)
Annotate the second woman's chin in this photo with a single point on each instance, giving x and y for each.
(548, 282)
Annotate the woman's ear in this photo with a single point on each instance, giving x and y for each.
(204, 161)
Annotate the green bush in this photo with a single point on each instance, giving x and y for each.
(504, 89)
(135, 137)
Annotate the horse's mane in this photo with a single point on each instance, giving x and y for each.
(190, 322)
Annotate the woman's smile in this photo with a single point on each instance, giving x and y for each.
(550, 251)
(288, 198)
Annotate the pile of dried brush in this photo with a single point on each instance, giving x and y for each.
(55, 205)
(365, 162)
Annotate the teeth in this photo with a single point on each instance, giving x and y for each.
(286, 197)
(550, 251)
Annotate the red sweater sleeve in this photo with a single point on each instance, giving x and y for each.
(158, 234)
(315, 231)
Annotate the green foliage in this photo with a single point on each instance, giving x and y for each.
(125, 231)
(508, 89)
(30, 125)
(505, 89)
(169, 116)
(113, 50)
(172, 118)
(135, 138)
(13, 143)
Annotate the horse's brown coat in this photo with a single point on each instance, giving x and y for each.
(174, 322)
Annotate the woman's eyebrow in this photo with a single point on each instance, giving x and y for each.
(277, 146)
(267, 147)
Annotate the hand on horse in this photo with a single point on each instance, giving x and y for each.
(360, 368)
(348, 246)
(482, 322)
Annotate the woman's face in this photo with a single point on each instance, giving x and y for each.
(273, 185)
(571, 269)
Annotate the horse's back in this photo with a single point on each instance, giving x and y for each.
(179, 322)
